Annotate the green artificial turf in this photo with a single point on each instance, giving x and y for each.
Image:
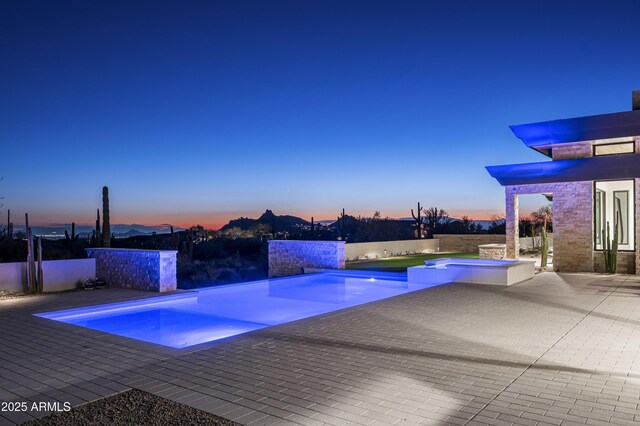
(400, 264)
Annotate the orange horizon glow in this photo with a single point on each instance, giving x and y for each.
(215, 221)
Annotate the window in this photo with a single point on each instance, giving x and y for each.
(621, 215)
(613, 204)
(598, 213)
(614, 149)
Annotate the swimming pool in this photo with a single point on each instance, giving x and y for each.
(192, 318)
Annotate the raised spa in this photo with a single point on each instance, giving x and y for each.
(473, 271)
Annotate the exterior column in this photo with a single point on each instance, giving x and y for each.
(512, 222)
(637, 212)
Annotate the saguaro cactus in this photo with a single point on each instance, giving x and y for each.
(73, 236)
(312, 229)
(610, 246)
(40, 273)
(342, 226)
(9, 225)
(32, 279)
(273, 226)
(106, 225)
(97, 234)
(418, 220)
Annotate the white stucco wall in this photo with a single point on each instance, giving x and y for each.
(376, 250)
(12, 276)
(58, 275)
(526, 243)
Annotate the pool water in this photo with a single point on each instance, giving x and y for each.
(192, 318)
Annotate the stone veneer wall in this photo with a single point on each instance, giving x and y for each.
(637, 206)
(572, 223)
(572, 150)
(290, 257)
(149, 270)
(492, 251)
(626, 263)
(467, 243)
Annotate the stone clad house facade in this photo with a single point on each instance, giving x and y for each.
(594, 176)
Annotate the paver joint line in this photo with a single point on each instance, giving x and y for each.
(479, 413)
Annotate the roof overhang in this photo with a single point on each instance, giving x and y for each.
(542, 136)
(581, 169)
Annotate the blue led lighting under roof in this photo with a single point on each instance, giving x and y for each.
(604, 126)
(593, 168)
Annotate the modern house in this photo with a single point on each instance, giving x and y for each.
(593, 175)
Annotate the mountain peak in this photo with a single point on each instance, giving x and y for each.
(267, 218)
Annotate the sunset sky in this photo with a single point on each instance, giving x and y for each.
(202, 111)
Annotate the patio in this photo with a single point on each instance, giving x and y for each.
(558, 349)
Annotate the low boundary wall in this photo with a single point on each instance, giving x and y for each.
(290, 257)
(469, 242)
(382, 249)
(148, 270)
(58, 275)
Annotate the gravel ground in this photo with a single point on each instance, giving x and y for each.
(5, 295)
(133, 407)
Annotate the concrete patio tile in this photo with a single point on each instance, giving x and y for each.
(14, 417)
(303, 420)
(555, 349)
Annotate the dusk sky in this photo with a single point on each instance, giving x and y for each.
(199, 112)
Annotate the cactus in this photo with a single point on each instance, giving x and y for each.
(9, 225)
(71, 239)
(187, 248)
(273, 226)
(418, 220)
(312, 226)
(545, 245)
(40, 284)
(106, 225)
(342, 226)
(97, 235)
(610, 246)
(31, 267)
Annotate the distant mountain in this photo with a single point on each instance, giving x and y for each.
(350, 221)
(283, 223)
(131, 233)
(119, 230)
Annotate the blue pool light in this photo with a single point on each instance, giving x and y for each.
(188, 319)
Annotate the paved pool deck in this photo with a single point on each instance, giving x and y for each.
(557, 349)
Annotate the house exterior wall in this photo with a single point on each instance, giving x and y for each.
(626, 263)
(572, 150)
(572, 223)
(637, 190)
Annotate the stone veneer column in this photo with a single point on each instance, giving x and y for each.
(290, 257)
(573, 226)
(572, 223)
(637, 210)
(512, 223)
(149, 270)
